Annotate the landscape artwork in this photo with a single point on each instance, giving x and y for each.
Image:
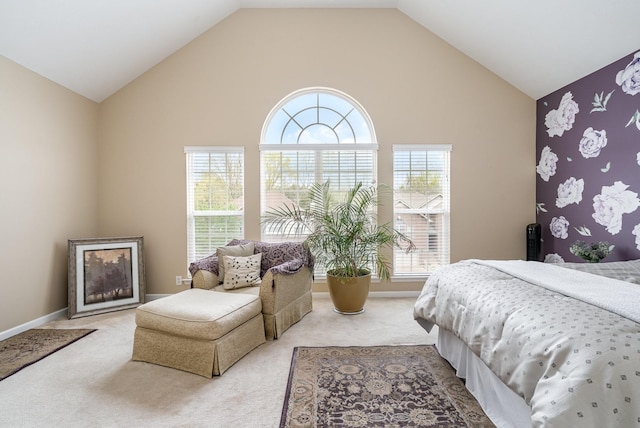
(105, 274)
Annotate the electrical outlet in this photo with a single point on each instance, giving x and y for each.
(178, 280)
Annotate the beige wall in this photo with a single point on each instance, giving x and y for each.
(219, 89)
(48, 189)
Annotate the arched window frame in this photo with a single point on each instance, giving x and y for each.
(294, 111)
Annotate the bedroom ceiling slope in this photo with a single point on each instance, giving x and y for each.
(95, 47)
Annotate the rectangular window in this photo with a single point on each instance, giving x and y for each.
(215, 198)
(288, 174)
(421, 206)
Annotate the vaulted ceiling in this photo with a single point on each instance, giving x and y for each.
(95, 47)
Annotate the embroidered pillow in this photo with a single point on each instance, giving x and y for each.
(241, 271)
(232, 250)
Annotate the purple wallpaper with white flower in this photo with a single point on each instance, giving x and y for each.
(588, 170)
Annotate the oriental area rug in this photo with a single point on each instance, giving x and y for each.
(28, 347)
(384, 386)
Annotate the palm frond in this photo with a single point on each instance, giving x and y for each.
(343, 236)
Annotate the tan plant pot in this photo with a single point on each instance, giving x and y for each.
(349, 294)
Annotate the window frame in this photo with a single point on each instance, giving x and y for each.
(444, 231)
(192, 213)
(362, 147)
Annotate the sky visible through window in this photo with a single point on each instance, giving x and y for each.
(318, 118)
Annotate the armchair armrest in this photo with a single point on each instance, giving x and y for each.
(285, 300)
(204, 272)
(289, 267)
(279, 290)
(204, 279)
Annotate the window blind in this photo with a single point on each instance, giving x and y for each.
(422, 206)
(287, 175)
(215, 198)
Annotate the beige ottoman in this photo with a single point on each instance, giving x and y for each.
(199, 331)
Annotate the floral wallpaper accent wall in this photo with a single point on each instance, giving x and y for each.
(588, 170)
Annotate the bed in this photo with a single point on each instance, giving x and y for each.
(541, 344)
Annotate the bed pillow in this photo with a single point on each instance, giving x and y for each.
(241, 271)
(241, 250)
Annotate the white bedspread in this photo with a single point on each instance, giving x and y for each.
(574, 363)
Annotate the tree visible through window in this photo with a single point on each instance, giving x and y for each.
(215, 198)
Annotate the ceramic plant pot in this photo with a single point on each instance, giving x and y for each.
(349, 294)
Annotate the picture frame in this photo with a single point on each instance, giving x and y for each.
(105, 275)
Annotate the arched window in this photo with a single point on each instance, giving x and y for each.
(317, 116)
(314, 135)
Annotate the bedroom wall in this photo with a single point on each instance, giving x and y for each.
(588, 162)
(219, 89)
(48, 188)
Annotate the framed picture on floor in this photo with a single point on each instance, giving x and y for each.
(105, 274)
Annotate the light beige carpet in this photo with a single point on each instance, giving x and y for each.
(29, 347)
(377, 386)
(95, 383)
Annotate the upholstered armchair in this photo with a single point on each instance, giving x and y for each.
(284, 283)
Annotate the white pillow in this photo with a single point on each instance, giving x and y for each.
(241, 271)
(232, 250)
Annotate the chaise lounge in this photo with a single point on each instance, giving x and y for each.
(284, 283)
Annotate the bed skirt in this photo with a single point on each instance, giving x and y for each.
(504, 407)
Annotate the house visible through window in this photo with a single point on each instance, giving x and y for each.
(421, 206)
(215, 198)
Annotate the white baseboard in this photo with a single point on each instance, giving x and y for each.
(377, 294)
(149, 297)
(62, 313)
(372, 294)
(33, 324)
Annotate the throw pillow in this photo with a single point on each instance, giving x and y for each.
(241, 271)
(241, 250)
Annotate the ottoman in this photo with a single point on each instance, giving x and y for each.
(199, 331)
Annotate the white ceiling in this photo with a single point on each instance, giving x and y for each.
(95, 47)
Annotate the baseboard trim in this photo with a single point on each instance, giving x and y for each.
(62, 313)
(373, 294)
(149, 297)
(33, 324)
(377, 294)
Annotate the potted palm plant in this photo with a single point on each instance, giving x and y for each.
(344, 237)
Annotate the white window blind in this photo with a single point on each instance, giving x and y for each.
(421, 206)
(287, 175)
(215, 198)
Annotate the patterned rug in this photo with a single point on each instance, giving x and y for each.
(386, 386)
(28, 347)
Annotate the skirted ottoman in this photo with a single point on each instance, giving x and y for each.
(199, 331)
